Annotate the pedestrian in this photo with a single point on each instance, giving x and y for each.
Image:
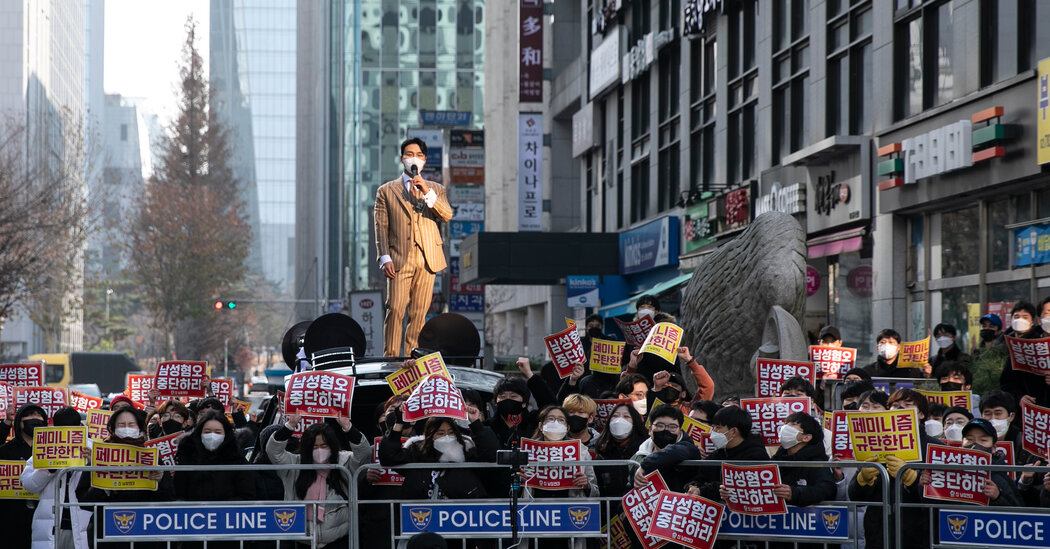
(70, 530)
(212, 443)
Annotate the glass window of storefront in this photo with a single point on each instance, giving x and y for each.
(850, 279)
(959, 233)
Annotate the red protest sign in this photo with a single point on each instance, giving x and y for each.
(841, 445)
(551, 478)
(750, 489)
(7, 396)
(1006, 448)
(635, 332)
(51, 399)
(566, 350)
(1035, 428)
(180, 379)
(1029, 355)
(138, 387)
(83, 403)
(832, 362)
(605, 408)
(638, 505)
(223, 390)
(166, 447)
(692, 521)
(305, 422)
(319, 393)
(768, 413)
(770, 375)
(387, 477)
(435, 396)
(30, 374)
(963, 486)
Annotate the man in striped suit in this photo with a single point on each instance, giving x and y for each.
(409, 245)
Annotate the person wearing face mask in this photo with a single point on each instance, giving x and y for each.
(991, 327)
(513, 418)
(622, 437)
(19, 513)
(888, 343)
(953, 420)
(732, 438)
(72, 526)
(944, 335)
(979, 434)
(553, 426)
(801, 439)
(636, 388)
(594, 328)
(1035, 389)
(581, 410)
(171, 417)
(666, 448)
(852, 391)
(999, 409)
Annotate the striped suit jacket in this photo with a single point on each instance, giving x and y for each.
(401, 221)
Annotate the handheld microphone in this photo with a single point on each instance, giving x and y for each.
(413, 170)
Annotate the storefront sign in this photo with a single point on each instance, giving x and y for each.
(252, 521)
(940, 151)
(830, 194)
(530, 171)
(859, 281)
(790, 199)
(444, 118)
(605, 64)
(1043, 113)
(1031, 245)
(737, 210)
(530, 55)
(582, 291)
(699, 229)
(800, 524)
(812, 281)
(466, 166)
(583, 130)
(992, 529)
(652, 245)
(492, 520)
(637, 60)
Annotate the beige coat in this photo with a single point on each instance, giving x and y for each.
(402, 221)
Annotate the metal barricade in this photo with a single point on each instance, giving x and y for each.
(956, 516)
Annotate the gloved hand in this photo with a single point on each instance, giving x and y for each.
(893, 467)
(867, 475)
(392, 418)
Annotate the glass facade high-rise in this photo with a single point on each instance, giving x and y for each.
(253, 73)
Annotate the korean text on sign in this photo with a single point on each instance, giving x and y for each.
(22, 375)
(1035, 428)
(83, 403)
(565, 349)
(128, 459)
(138, 387)
(223, 390)
(768, 413)
(59, 447)
(750, 489)
(1029, 355)
(322, 394)
(605, 408)
(638, 505)
(663, 341)
(692, 521)
(51, 399)
(166, 447)
(964, 486)
(635, 332)
(96, 422)
(880, 434)
(11, 481)
(832, 362)
(405, 380)
(180, 379)
(914, 354)
(386, 476)
(699, 433)
(617, 532)
(606, 356)
(949, 398)
(551, 478)
(770, 375)
(841, 446)
(436, 396)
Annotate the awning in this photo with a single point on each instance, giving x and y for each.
(626, 306)
(836, 243)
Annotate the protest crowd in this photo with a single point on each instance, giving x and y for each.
(687, 463)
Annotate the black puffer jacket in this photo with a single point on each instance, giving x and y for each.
(216, 483)
(809, 485)
(19, 513)
(708, 479)
(481, 446)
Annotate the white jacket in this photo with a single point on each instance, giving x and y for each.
(42, 482)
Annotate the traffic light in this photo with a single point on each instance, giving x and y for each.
(220, 305)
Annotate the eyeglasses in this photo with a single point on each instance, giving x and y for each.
(672, 427)
(176, 417)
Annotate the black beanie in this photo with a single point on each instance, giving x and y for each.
(66, 417)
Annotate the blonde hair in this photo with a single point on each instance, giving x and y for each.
(577, 403)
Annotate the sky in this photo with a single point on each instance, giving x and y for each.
(143, 46)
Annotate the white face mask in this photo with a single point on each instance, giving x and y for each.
(409, 162)
(619, 428)
(212, 441)
(934, 428)
(719, 440)
(445, 443)
(645, 312)
(1021, 325)
(944, 342)
(1045, 323)
(640, 406)
(953, 433)
(788, 436)
(554, 430)
(1001, 427)
(887, 350)
(127, 432)
(321, 455)
(450, 448)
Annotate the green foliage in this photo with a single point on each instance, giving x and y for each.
(987, 366)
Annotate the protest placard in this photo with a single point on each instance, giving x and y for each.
(768, 413)
(832, 362)
(699, 433)
(51, 399)
(841, 445)
(387, 477)
(691, 521)
(29, 374)
(435, 396)
(616, 532)
(639, 504)
(961, 486)
(82, 403)
(914, 354)
(127, 459)
(11, 481)
(405, 380)
(606, 356)
(750, 489)
(605, 408)
(96, 422)
(59, 447)
(166, 446)
(570, 323)
(636, 331)
(181, 379)
(319, 393)
(1029, 355)
(7, 395)
(880, 434)
(1006, 448)
(771, 373)
(949, 398)
(222, 389)
(566, 350)
(241, 406)
(138, 387)
(305, 421)
(552, 478)
(663, 340)
(1035, 428)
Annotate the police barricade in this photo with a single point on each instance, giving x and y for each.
(175, 521)
(973, 525)
(830, 523)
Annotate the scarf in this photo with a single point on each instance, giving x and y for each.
(317, 491)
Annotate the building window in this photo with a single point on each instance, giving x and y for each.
(743, 95)
(640, 191)
(641, 14)
(1007, 38)
(925, 56)
(640, 107)
(849, 100)
(790, 76)
(703, 56)
(670, 14)
(123, 132)
(668, 166)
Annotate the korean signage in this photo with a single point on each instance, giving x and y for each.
(1031, 245)
(466, 159)
(166, 447)
(1043, 112)
(138, 387)
(1035, 428)
(637, 60)
(551, 478)
(387, 477)
(699, 229)
(530, 171)
(767, 414)
(880, 434)
(566, 350)
(694, 12)
(841, 445)
(582, 291)
(444, 118)
(406, 379)
(734, 209)
(663, 340)
(606, 356)
(914, 354)
(639, 503)
(832, 362)
(83, 403)
(750, 489)
(492, 520)
(96, 422)
(605, 408)
(126, 459)
(436, 396)
(963, 486)
(652, 245)
(223, 390)
(992, 529)
(605, 64)
(530, 38)
(367, 309)
(771, 373)
(320, 394)
(180, 379)
(961, 399)
(30, 374)
(51, 399)
(170, 523)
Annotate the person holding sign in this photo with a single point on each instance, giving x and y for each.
(802, 439)
(1001, 490)
(72, 526)
(18, 513)
(731, 436)
(553, 426)
(621, 439)
(212, 443)
(513, 418)
(1022, 385)
(666, 448)
(888, 342)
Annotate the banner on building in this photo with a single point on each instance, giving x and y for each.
(832, 362)
(319, 394)
(1031, 245)
(551, 478)
(881, 434)
(663, 340)
(1035, 428)
(960, 486)
(914, 354)
(435, 396)
(180, 379)
(636, 331)
(1029, 355)
(59, 447)
(127, 459)
(530, 171)
(767, 414)
(688, 520)
(639, 504)
(530, 61)
(771, 373)
(566, 350)
(30, 374)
